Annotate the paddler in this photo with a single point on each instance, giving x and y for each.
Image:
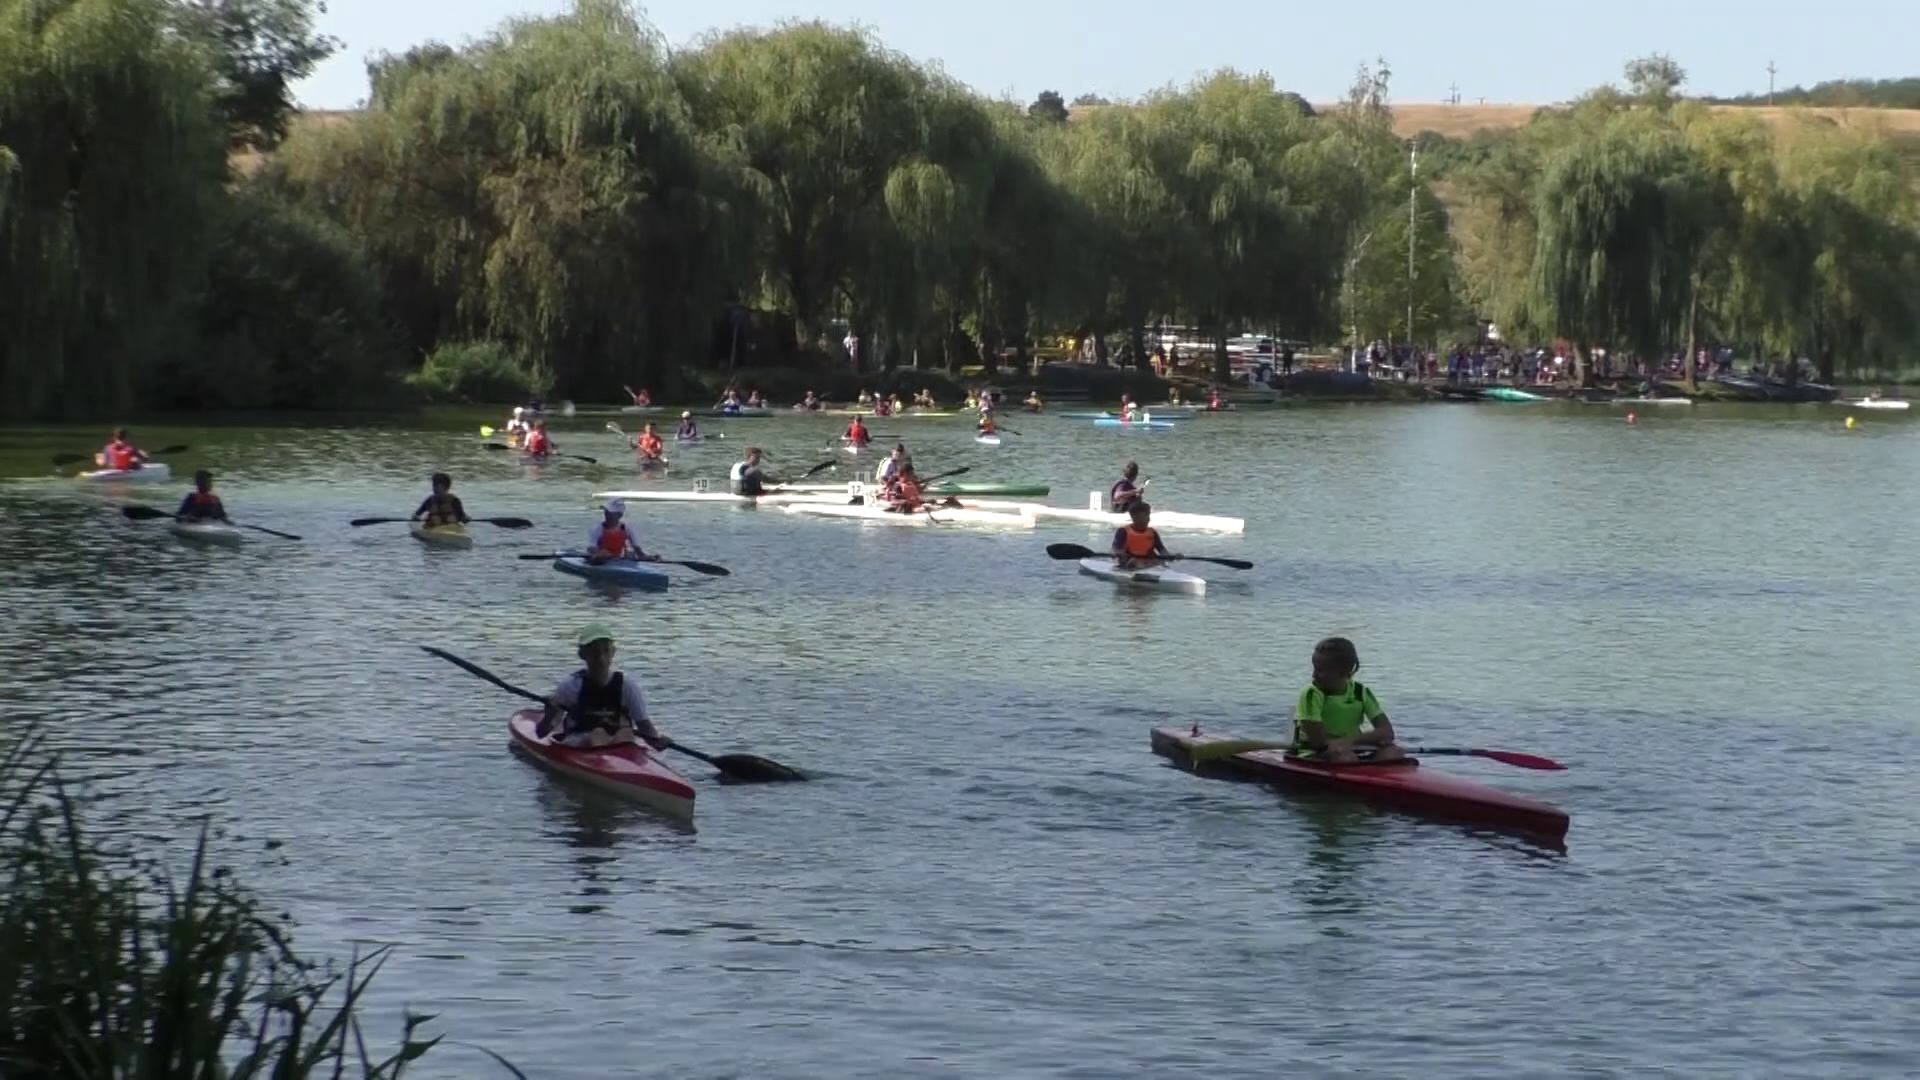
(612, 539)
(1331, 712)
(688, 431)
(1126, 490)
(1127, 408)
(598, 706)
(746, 476)
(986, 421)
(1173, 395)
(924, 399)
(1214, 403)
(517, 427)
(1137, 544)
(539, 443)
(857, 435)
(650, 447)
(442, 507)
(201, 504)
(755, 401)
(902, 494)
(643, 399)
(120, 454)
(810, 403)
(1033, 403)
(891, 465)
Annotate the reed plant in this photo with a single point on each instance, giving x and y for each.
(112, 967)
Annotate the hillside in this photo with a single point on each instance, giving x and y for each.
(1461, 121)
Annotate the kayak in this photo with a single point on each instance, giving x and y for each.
(1872, 403)
(654, 464)
(1162, 519)
(1004, 491)
(618, 572)
(633, 772)
(1405, 785)
(643, 410)
(1158, 579)
(931, 517)
(446, 536)
(151, 472)
(987, 440)
(1115, 417)
(742, 413)
(207, 532)
(852, 448)
(1152, 424)
(1508, 393)
(1653, 401)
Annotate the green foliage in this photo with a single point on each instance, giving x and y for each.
(475, 372)
(257, 50)
(111, 967)
(1839, 94)
(1049, 106)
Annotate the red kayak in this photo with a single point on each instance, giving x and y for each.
(632, 772)
(1402, 784)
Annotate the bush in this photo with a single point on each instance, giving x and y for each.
(110, 968)
(476, 372)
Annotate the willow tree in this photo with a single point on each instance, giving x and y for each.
(827, 122)
(117, 164)
(548, 186)
(1622, 220)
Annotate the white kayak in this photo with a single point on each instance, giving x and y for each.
(1873, 403)
(931, 517)
(207, 532)
(1162, 519)
(151, 472)
(701, 494)
(987, 440)
(1159, 578)
(1653, 401)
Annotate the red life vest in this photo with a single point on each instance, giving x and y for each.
(1141, 542)
(614, 541)
(119, 455)
(650, 445)
(537, 444)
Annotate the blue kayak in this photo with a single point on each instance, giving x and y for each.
(618, 572)
(1114, 421)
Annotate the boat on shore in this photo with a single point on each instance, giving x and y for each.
(1404, 785)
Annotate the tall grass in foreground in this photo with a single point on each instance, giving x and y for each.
(113, 969)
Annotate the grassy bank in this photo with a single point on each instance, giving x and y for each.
(112, 967)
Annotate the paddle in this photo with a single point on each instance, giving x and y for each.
(502, 522)
(73, 459)
(745, 767)
(713, 569)
(1229, 747)
(148, 513)
(1081, 551)
(576, 457)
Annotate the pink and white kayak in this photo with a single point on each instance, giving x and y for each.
(632, 772)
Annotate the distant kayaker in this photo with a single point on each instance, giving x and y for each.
(442, 507)
(1214, 403)
(688, 431)
(643, 399)
(746, 476)
(902, 494)
(924, 399)
(1128, 410)
(1328, 719)
(120, 453)
(598, 706)
(612, 539)
(857, 435)
(518, 427)
(539, 443)
(755, 401)
(810, 403)
(891, 465)
(201, 504)
(650, 447)
(1137, 545)
(1126, 490)
(986, 421)
(1034, 404)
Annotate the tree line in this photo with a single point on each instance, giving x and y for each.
(568, 205)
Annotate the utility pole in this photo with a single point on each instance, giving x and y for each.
(1771, 72)
(1413, 222)
(1453, 94)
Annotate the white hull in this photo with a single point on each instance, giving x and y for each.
(211, 532)
(933, 517)
(1162, 519)
(987, 440)
(1159, 579)
(1653, 401)
(774, 499)
(152, 473)
(1873, 403)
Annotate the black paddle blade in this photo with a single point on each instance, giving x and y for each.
(144, 513)
(703, 567)
(577, 457)
(496, 446)
(357, 522)
(71, 459)
(1070, 551)
(509, 522)
(820, 468)
(752, 769)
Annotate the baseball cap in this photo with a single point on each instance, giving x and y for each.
(593, 632)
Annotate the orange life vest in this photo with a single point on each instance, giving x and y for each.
(119, 455)
(1140, 543)
(650, 445)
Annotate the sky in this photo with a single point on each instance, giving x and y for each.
(1531, 52)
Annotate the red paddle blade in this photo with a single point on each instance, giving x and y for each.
(1524, 761)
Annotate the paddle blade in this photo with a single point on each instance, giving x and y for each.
(1523, 761)
(496, 446)
(1225, 748)
(752, 769)
(509, 522)
(820, 468)
(357, 522)
(703, 567)
(71, 459)
(577, 457)
(177, 448)
(486, 432)
(1070, 551)
(144, 513)
(269, 532)
(1237, 564)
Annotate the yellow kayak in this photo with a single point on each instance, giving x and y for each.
(447, 536)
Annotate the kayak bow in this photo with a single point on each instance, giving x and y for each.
(632, 772)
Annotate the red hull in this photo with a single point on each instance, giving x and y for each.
(631, 772)
(1404, 785)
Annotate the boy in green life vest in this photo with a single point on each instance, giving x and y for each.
(1336, 718)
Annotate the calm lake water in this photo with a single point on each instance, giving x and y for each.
(1710, 617)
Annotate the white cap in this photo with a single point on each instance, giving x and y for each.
(519, 410)
(615, 506)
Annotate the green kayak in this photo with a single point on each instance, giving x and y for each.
(1005, 491)
(1508, 393)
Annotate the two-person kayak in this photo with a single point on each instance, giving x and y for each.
(1403, 784)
